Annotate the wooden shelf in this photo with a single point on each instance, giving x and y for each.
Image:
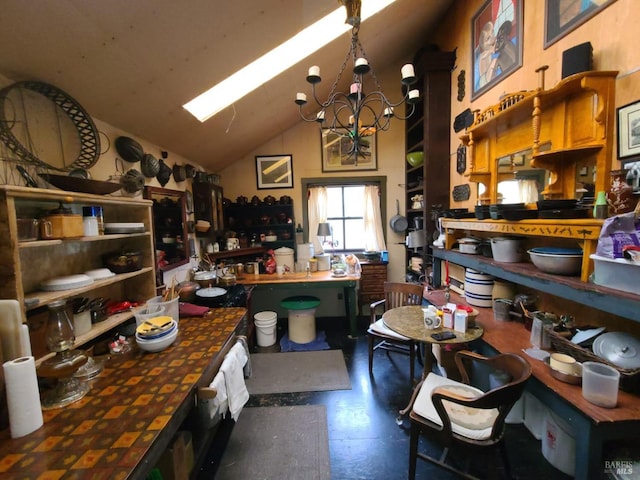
(238, 252)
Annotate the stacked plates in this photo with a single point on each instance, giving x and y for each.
(156, 334)
(66, 283)
(100, 273)
(124, 228)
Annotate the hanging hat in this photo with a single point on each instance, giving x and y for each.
(164, 173)
(132, 181)
(129, 149)
(149, 165)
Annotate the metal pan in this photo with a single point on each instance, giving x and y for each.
(398, 223)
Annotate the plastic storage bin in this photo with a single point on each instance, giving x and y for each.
(534, 415)
(616, 273)
(559, 444)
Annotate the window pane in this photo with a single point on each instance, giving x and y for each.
(334, 200)
(354, 201)
(355, 234)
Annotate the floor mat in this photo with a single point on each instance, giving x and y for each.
(278, 442)
(289, 372)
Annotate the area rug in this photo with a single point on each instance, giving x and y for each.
(319, 343)
(278, 442)
(290, 372)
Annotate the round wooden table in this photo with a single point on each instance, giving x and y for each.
(409, 321)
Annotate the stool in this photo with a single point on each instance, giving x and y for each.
(302, 319)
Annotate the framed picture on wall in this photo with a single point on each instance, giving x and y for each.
(629, 130)
(563, 16)
(337, 151)
(496, 32)
(274, 171)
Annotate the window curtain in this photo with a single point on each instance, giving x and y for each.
(374, 236)
(528, 191)
(317, 212)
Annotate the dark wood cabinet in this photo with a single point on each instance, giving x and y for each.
(207, 205)
(267, 225)
(372, 279)
(428, 130)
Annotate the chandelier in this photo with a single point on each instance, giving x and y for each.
(356, 115)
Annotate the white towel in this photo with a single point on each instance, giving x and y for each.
(220, 403)
(237, 392)
(247, 366)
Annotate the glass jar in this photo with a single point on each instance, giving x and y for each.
(59, 332)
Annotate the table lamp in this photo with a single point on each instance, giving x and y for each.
(324, 231)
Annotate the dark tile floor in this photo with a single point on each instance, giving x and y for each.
(365, 442)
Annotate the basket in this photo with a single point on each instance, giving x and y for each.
(629, 378)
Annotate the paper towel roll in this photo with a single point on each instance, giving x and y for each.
(23, 398)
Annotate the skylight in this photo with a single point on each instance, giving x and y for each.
(287, 54)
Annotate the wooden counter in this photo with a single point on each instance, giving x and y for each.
(314, 281)
(134, 408)
(593, 425)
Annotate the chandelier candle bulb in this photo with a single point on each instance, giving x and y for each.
(314, 71)
(388, 112)
(414, 94)
(408, 71)
(320, 116)
(356, 88)
(301, 98)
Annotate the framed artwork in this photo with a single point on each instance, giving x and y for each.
(274, 171)
(563, 16)
(633, 175)
(496, 45)
(337, 153)
(629, 130)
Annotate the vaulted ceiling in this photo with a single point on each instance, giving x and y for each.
(133, 64)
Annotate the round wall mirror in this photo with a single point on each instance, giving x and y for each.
(44, 126)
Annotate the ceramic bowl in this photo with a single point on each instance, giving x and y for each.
(415, 159)
(557, 261)
(157, 344)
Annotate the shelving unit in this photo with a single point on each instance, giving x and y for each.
(564, 127)
(27, 264)
(259, 220)
(576, 289)
(428, 130)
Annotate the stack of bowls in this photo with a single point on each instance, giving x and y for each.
(156, 334)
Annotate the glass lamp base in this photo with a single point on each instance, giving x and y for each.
(67, 391)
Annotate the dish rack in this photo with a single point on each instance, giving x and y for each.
(629, 378)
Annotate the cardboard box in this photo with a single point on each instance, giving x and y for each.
(177, 461)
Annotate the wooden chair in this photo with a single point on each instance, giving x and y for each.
(380, 336)
(462, 418)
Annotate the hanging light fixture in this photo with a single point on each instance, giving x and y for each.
(356, 115)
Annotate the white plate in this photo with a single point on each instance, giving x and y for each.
(584, 335)
(100, 273)
(124, 227)
(66, 283)
(211, 292)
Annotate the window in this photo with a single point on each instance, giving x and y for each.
(346, 211)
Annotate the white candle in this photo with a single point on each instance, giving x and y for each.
(320, 116)
(355, 88)
(407, 71)
(361, 62)
(351, 119)
(314, 71)
(301, 97)
(414, 94)
(388, 112)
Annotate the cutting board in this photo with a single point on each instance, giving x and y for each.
(10, 327)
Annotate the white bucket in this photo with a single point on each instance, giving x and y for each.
(284, 258)
(171, 307)
(478, 288)
(305, 251)
(558, 444)
(266, 326)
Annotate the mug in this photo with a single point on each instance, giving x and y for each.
(431, 321)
